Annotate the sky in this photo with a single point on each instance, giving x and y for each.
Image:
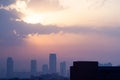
(73, 29)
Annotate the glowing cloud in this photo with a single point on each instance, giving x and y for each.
(52, 39)
(43, 5)
(77, 12)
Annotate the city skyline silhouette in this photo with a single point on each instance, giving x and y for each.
(50, 68)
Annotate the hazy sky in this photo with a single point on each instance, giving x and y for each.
(73, 29)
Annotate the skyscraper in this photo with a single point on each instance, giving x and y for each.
(33, 67)
(10, 67)
(45, 69)
(63, 68)
(52, 63)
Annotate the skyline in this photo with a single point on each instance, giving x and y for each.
(45, 67)
(34, 68)
(74, 30)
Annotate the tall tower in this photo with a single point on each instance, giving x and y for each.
(52, 63)
(33, 67)
(63, 68)
(10, 67)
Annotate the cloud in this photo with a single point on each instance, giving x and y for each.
(31, 11)
(13, 32)
(54, 12)
(44, 5)
(7, 36)
(96, 3)
(6, 2)
(24, 6)
(16, 34)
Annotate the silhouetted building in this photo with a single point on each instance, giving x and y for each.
(108, 73)
(10, 67)
(106, 64)
(84, 70)
(45, 69)
(33, 67)
(63, 68)
(52, 63)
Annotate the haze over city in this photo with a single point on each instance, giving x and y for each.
(72, 29)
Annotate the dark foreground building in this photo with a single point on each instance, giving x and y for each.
(89, 70)
(83, 71)
(108, 73)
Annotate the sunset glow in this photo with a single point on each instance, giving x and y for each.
(33, 19)
(66, 13)
(73, 29)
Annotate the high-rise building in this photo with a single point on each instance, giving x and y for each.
(84, 70)
(45, 69)
(10, 67)
(33, 67)
(52, 63)
(63, 68)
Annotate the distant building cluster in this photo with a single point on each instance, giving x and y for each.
(106, 64)
(46, 69)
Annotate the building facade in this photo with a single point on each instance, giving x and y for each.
(63, 68)
(52, 63)
(10, 67)
(33, 67)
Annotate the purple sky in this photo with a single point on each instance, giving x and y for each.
(89, 31)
